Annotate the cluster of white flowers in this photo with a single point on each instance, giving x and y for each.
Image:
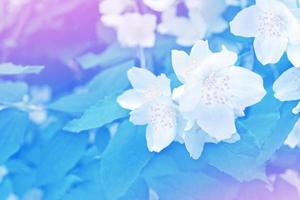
(133, 29)
(275, 27)
(203, 109)
(203, 18)
(214, 92)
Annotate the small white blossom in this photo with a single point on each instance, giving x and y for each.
(187, 30)
(159, 5)
(151, 104)
(272, 24)
(133, 29)
(287, 87)
(114, 7)
(214, 91)
(204, 18)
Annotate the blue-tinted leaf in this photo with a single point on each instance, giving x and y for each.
(107, 83)
(87, 190)
(138, 190)
(12, 92)
(12, 69)
(113, 55)
(262, 132)
(123, 160)
(60, 188)
(103, 112)
(59, 156)
(13, 125)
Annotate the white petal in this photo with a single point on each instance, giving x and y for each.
(111, 20)
(140, 116)
(189, 100)
(245, 23)
(159, 5)
(194, 143)
(147, 32)
(200, 51)
(180, 61)
(140, 78)
(296, 109)
(246, 87)
(217, 120)
(216, 62)
(287, 86)
(293, 53)
(131, 99)
(113, 7)
(234, 138)
(163, 84)
(158, 139)
(269, 50)
(177, 93)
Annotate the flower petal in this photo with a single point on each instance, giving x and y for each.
(194, 142)
(269, 50)
(158, 139)
(217, 120)
(200, 51)
(293, 53)
(158, 5)
(140, 78)
(180, 62)
(245, 23)
(246, 87)
(163, 84)
(140, 116)
(131, 99)
(287, 86)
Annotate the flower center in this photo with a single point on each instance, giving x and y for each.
(162, 116)
(270, 25)
(214, 90)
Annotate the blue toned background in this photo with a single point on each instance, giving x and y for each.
(64, 137)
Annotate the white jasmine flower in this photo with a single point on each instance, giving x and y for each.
(287, 87)
(214, 91)
(133, 29)
(211, 12)
(151, 104)
(114, 7)
(159, 5)
(187, 30)
(272, 24)
(204, 18)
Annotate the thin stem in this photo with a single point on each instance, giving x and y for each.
(142, 57)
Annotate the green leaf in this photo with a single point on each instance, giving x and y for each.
(12, 69)
(13, 126)
(106, 83)
(113, 55)
(12, 92)
(103, 112)
(123, 160)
